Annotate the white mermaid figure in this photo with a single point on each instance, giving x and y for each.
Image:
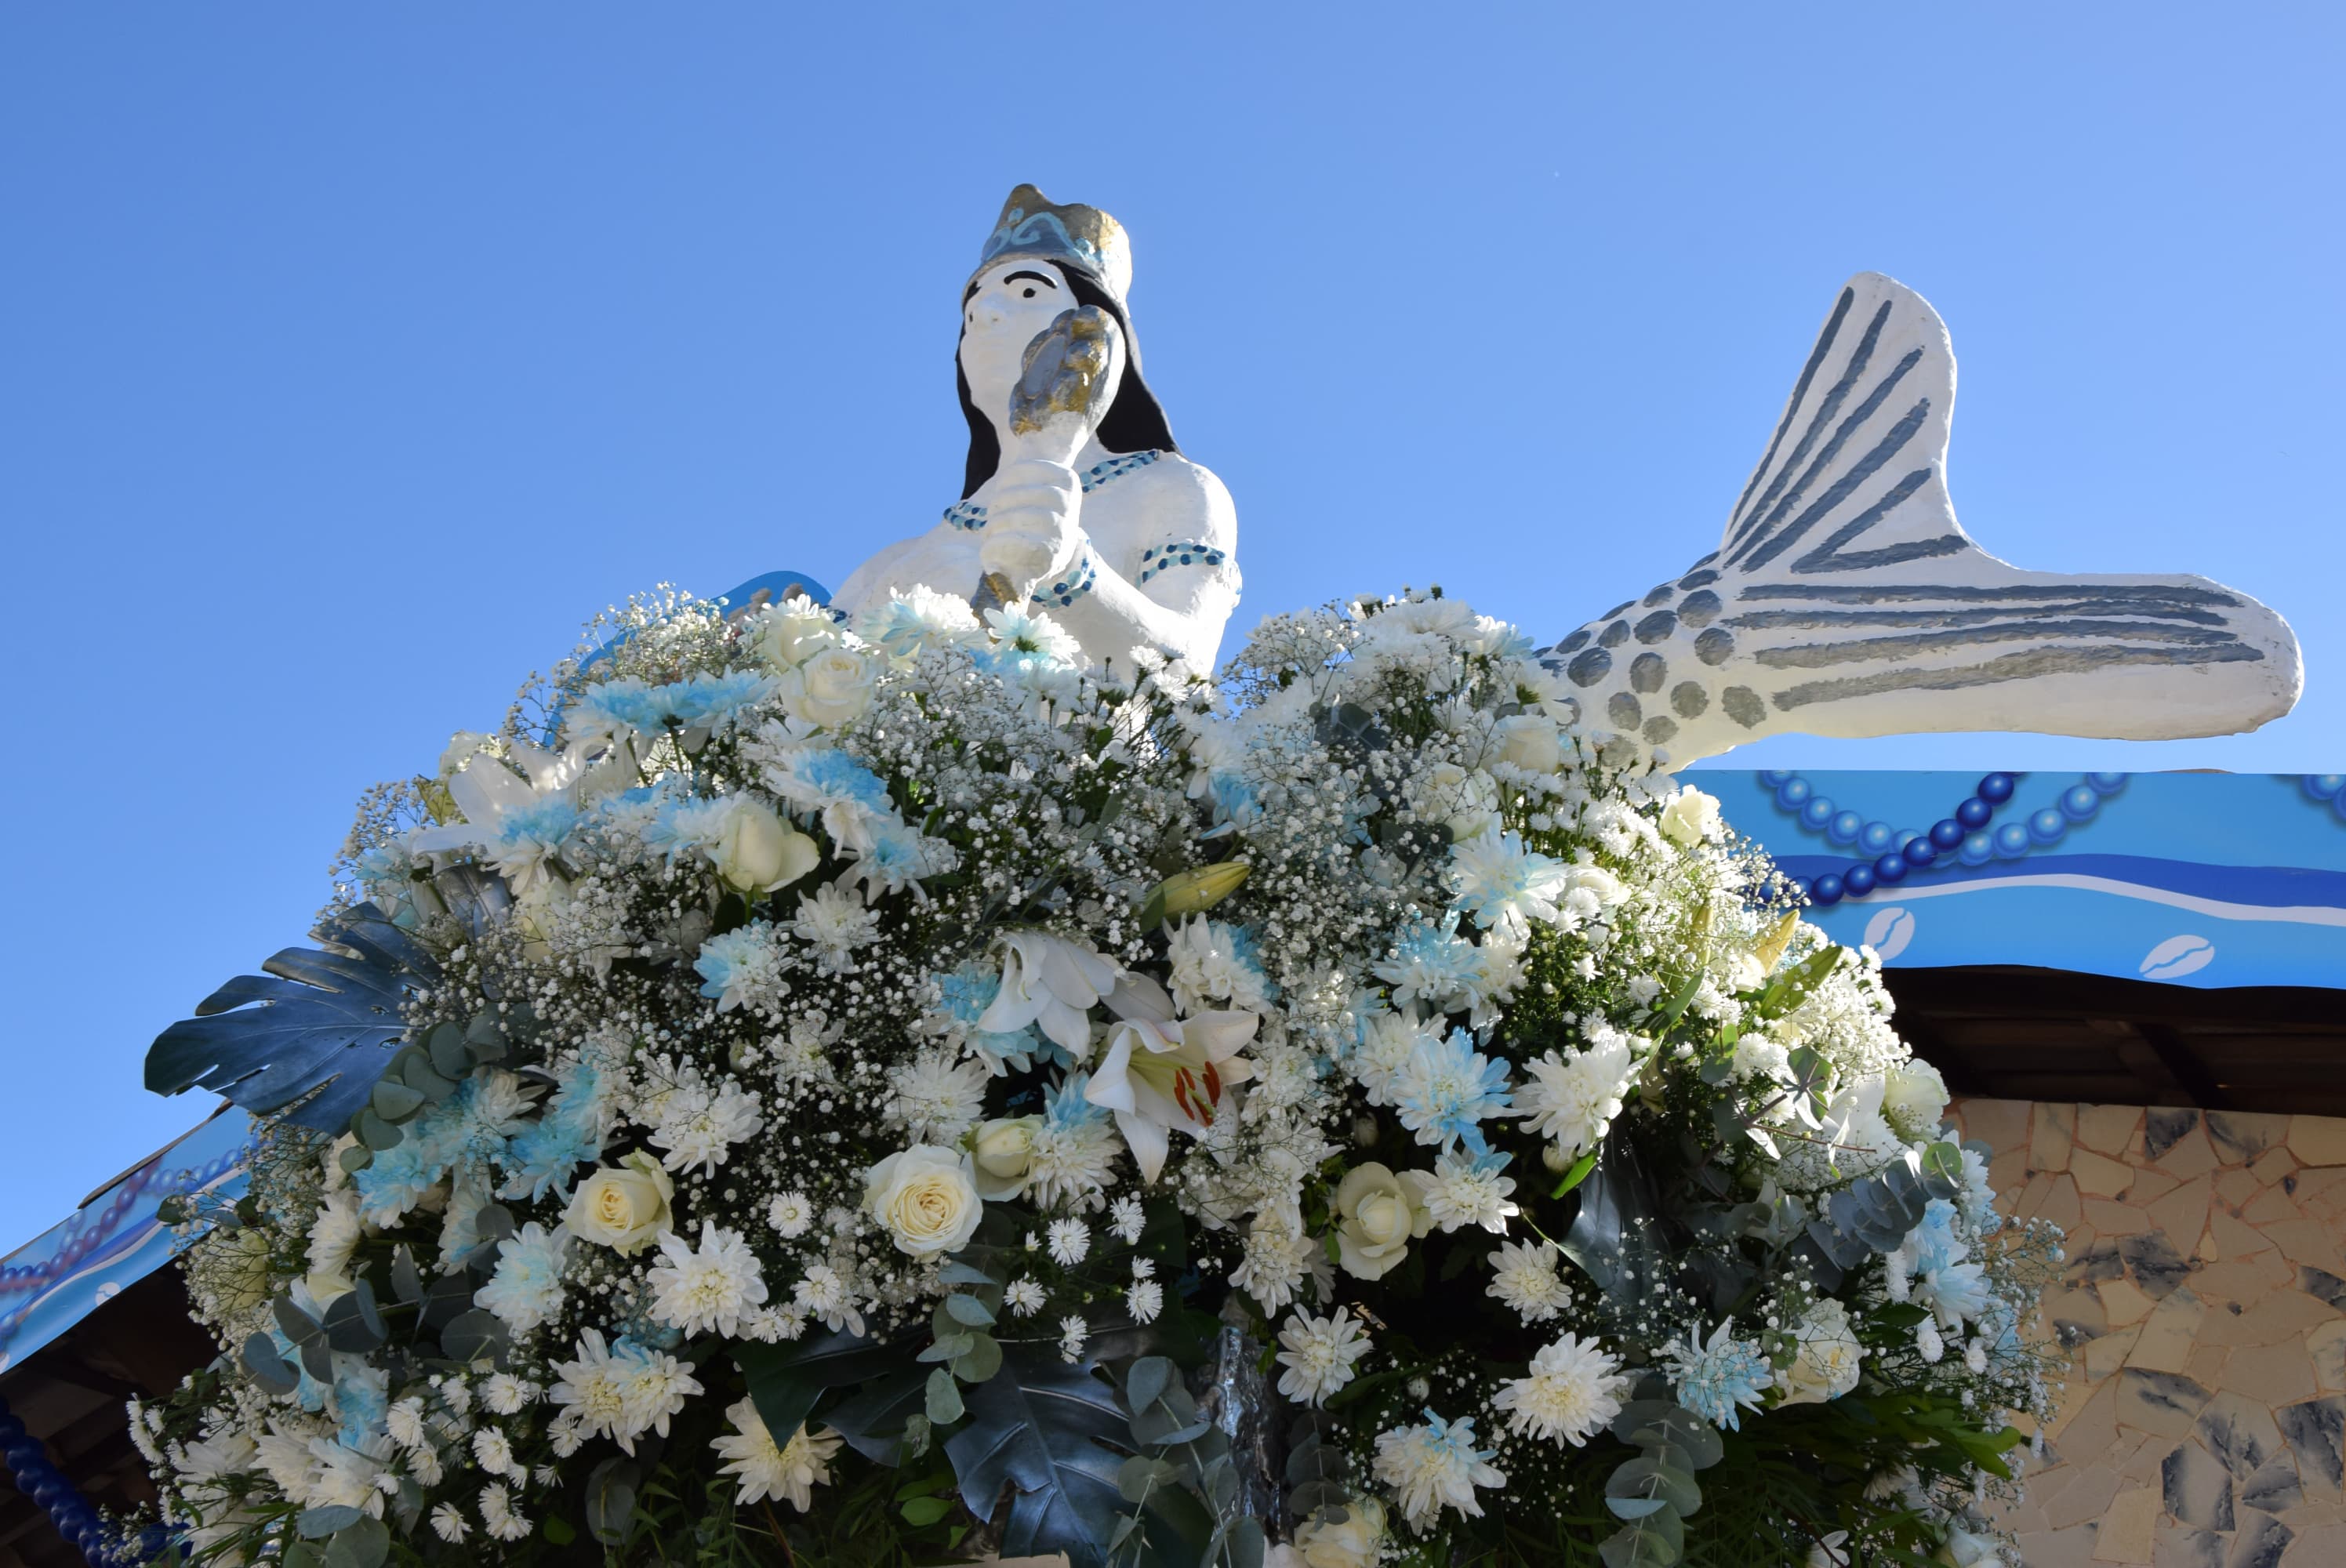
(1843, 598)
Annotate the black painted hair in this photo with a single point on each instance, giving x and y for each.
(1134, 422)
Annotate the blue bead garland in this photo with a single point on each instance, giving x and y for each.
(75, 1521)
(1969, 835)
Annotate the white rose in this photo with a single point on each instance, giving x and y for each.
(625, 1209)
(794, 633)
(1600, 884)
(757, 851)
(1003, 1151)
(1468, 803)
(1915, 1096)
(926, 1196)
(831, 688)
(1691, 818)
(1354, 1543)
(1826, 1365)
(1531, 742)
(1378, 1214)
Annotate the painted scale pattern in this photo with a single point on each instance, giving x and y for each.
(1844, 598)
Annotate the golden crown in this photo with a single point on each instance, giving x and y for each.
(1075, 236)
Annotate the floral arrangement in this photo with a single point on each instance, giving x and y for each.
(804, 1094)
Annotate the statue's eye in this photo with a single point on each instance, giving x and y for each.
(1030, 294)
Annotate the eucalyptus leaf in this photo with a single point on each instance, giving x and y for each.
(477, 1335)
(269, 1370)
(316, 1523)
(395, 1102)
(611, 1500)
(295, 1324)
(943, 1398)
(969, 1310)
(364, 1545)
(445, 1042)
(1147, 1379)
(981, 1360)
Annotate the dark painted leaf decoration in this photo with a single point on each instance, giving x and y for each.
(786, 1379)
(1038, 1427)
(326, 1020)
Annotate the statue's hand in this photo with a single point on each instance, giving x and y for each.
(1034, 525)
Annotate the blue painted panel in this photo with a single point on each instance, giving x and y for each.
(114, 1240)
(2198, 878)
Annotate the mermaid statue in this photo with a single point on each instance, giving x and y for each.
(1842, 599)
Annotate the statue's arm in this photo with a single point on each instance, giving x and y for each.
(1164, 572)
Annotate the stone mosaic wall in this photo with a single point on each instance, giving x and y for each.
(2204, 1422)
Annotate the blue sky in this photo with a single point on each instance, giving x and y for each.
(350, 357)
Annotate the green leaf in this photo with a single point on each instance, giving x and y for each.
(944, 1396)
(1147, 1379)
(474, 1336)
(920, 1512)
(558, 1530)
(876, 1416)
(317, 1524)
(969, 1310)
(449, 1058)
(396, 1101)
(352, 1323)
(355, 1158)
(374, 1131)
(1576, 1175)
(269, 1369)
(362, 1545)
(611, 1500)
(1635, 1507)
(1656, 1540)
(981, 1360)
(295, 1324)
(958, 1273)
(946, 1346)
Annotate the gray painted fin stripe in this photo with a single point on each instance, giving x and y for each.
(1776, 501)
(1816, 655)
(1891, 444)
(1820, 620)
(1799, 391)
(2024, 665)
(1897, 554)
(2170, 595)
(1821, 559)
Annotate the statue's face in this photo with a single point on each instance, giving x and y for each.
(1011, 303)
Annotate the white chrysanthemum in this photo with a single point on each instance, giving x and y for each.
(1525, 1279)
(1071, 1242)
(699, 1124)
(802, 1055)
(1435, 1465)
(1575, 1389)
(526, 1288)
(1073, 1332)
(1276, 1258)
(1464, 1190)
(1125, 1219)
(708, 1288)
(1505, 886)
(492, 1451)
(657, 1387)
(505, 1394)
(1573, 1100)
(1072, 1162)
(1025, 1296)
(335, 1235)
(1318, 1354)
(1144, 1299)
(936, 1098)
(448, 1523)
(404, 1422)
(912, 621)
(498, 1516)
(764, 1469)
(822, 1293)
(837, 925)
(1388, 1040)
(1211, 970)
(790, 1212)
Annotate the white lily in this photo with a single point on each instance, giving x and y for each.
(516, 821)
(1052, 983)
(1162, 1072)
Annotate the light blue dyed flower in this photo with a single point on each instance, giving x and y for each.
(543, 827)
(362, 1399)
(1954, 1291)
(836, 775)
(544, 1156)
(1064, 1109)
(1234, 798)
(1933, 1244)
(713, 701)
(1718, 1378)
(967, 992)
(1445, 1087)
(1432, 963)
(732, 966)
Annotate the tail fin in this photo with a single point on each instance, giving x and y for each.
(1845, 599)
